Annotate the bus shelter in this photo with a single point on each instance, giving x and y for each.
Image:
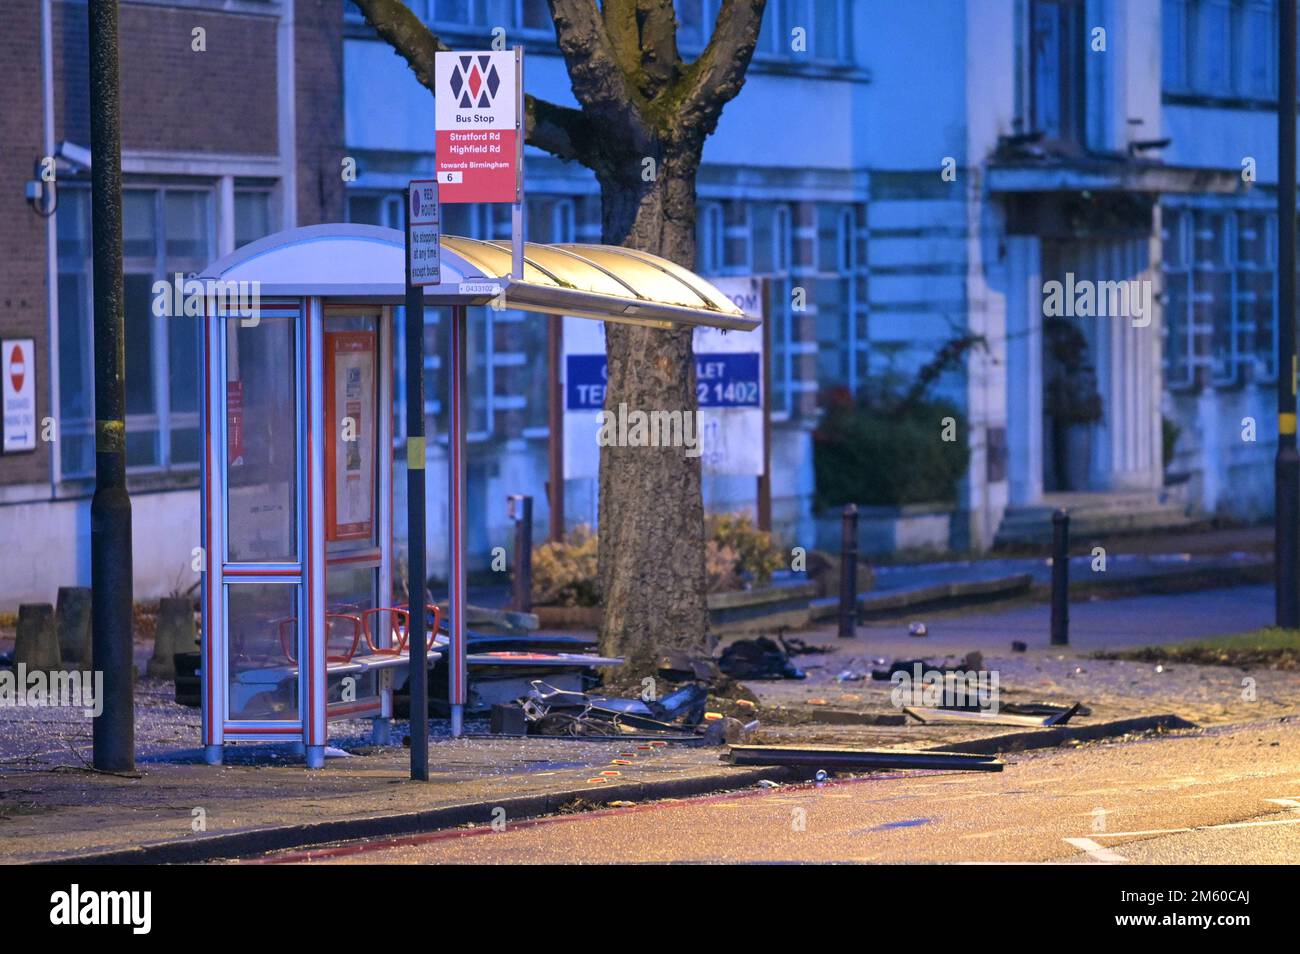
(303, 621)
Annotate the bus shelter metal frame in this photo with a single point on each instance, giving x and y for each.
(309, 273)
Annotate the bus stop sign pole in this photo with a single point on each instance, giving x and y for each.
(457, 597)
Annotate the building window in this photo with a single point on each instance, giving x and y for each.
(165, 231)
(710, 239)
(1173, 57)
(252, 215)
(1220, 306)
(373, 208)
(534, 15)
(835, 294)
(1225, 48)
(1056, 75)
(826, 25)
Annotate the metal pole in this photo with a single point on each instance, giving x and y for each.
(764, 488)
(849, 572)
(415, 509)
(555, 424)
(456, 586)
(517, 213)
(110, 508)
(523, 596)
(1286, 540)
(1060, 578)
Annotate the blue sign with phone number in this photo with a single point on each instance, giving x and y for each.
(721, 380)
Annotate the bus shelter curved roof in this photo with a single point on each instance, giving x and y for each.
(367, 263)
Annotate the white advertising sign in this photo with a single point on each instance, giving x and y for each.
(729, 382)
(18, 368)
(729, 385)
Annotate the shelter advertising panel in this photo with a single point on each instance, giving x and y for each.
(350, 435)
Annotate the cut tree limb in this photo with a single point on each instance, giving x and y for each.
(560, 130)
(717, 76)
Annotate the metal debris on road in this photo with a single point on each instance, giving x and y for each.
(933, 716)
(858, 759)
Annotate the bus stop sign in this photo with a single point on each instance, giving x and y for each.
(476, 112)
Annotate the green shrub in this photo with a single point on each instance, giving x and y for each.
(878, 452)
(566, 574)
(734, 535)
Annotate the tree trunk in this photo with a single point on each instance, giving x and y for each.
(651, 547)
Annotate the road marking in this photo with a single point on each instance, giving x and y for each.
(1096, 851)
(1284, 802)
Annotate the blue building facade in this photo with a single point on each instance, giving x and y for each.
(902, 174)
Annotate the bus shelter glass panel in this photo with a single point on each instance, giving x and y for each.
(262, 621)
(261, 441)
(354, 626)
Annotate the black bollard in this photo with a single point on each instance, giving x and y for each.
(520, 509)
(1060, 578)
(849, 572)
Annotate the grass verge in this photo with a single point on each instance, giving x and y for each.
(1271, 647)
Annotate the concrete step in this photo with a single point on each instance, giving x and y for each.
(1093, 515)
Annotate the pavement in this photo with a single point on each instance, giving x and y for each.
(53, 806)
(1227, 796)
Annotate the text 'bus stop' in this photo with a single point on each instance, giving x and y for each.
(301, 623)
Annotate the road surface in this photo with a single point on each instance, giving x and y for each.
(1223, 796)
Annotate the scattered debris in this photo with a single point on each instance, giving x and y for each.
(845, 758)
(972, 662)
(728, 731)
(758, 658)
(1043, 708)
(678, 666)
(850, 675)
(932, 716)
(767, 783)
(917, 629)
(829, 716)
(821, 776)
(679, 716)
(794, 646)
(508, 719)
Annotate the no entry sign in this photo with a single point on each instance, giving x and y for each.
(476, 109)
(18, 387)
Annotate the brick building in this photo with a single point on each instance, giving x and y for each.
(232, 129)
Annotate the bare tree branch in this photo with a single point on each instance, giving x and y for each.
(620, 26)
(560, 130)
(406, 34)
(717, 76)
(643, 35)
(660, 63)
(599, 82)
